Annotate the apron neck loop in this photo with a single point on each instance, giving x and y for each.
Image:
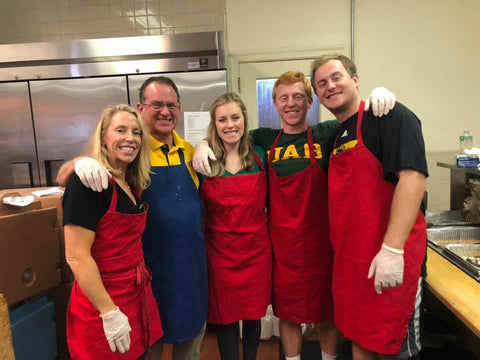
(113, 203)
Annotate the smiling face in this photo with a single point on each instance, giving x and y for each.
(292, 104)
(229, 123)
(336, 89)
(122, 139)
(160, 110)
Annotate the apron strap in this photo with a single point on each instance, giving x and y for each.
(359, 126)
(310, 145)
(181, 156)
(270, 155)
(359, 123)
(258, 160)
(113, 202)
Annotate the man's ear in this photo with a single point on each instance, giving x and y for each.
(310, 102)
(356, 80)
(139, 107)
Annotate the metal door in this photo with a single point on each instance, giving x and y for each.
(18, 161)
(66, 113)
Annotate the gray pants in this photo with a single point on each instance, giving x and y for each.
(187, 350)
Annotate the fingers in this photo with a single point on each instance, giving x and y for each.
(380, 101)
(128, 341)
(377, 282)
(211, 155)
(195, 165)
(121, 345)
(112, 345)
(95, 178)
(202, 166)
(92, 173)
(101, 180)
(200, 158)
(87, 178)
(367, 105)
(378, 286)
(206, 167)
(105, 175)
(390, 103)
(371, 270)
(375, 105)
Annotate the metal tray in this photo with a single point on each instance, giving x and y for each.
(459, 253)
(447, 218)
(448, 235)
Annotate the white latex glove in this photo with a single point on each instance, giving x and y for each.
(117, 330)
(387, 266)
(201, 156)
(92, 174)
(381, 100)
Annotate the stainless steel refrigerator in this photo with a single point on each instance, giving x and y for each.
(52, 94)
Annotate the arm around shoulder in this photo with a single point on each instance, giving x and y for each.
(91, 172)
(66, 170)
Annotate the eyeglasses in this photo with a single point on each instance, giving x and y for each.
(158, 106)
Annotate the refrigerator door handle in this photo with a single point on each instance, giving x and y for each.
(22, 174)
(51, 170)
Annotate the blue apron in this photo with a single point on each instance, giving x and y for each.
(174, 250)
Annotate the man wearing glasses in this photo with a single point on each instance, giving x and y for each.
(173, 243)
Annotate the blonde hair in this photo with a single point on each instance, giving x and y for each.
(290, 78)
(138, 171)
(244, 150)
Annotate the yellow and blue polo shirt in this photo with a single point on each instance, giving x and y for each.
(159, 158)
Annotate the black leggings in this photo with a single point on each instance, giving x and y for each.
(227, 337)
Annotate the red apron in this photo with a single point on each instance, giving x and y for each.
(299, 228)
(360, 200)
(239, 254)
(117, 250)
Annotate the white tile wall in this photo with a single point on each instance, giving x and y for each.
(23, 21)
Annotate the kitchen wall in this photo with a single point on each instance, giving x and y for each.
(428, 53)
(425, 51)
(24, 21)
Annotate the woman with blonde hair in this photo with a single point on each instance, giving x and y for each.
(238, 245)
(112, 313)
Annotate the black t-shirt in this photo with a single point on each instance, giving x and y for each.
(396, 140)
(85, 207)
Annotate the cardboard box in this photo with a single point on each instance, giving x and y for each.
(44, 202)
(29, 251)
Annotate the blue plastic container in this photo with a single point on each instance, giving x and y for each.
(33, 330)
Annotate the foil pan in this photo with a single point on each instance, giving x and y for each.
(446, 218)
(449, 235)
(466, 257)
(465, 250)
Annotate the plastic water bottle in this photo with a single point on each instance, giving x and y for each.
(466, 141)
